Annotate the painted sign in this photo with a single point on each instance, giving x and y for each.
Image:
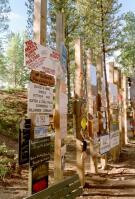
(24, 136)
(114, 139)
(63, 57)
(40, 99)
(93, 80)
(42, 78)
(39, 177)
(41, 120)
(104, 144)
(83, 123)
(40, 132)
(113, 90)
(39, 151)
(41, 58)
(63, 109)
(93, 76)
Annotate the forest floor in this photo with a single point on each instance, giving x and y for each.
(117, 181)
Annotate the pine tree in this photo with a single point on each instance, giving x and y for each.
(17, 72)
(4, 20)
(127, 55)
(30, 13)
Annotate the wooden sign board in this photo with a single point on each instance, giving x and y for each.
(42, 78)
(39, 151)
(104, 144)
(24, 137)
(114, 139)
(40, 99)
(39, 177)
(40, 58)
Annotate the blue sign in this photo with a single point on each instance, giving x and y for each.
(63, 57)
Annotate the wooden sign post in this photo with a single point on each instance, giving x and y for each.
(124, 111)
(92, 109)
(78, 97)
(60, 114)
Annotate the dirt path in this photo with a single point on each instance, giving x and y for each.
(118, 181)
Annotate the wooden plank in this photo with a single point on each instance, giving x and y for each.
(63, 185)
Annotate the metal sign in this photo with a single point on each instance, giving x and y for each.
(40, 99)
(42, 78)
(63, 57)
(83, 123)
(40, 132)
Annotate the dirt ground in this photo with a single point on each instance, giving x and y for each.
(117, 181)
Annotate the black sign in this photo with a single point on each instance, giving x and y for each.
(40, 177)
(39, 151)
(24, 136)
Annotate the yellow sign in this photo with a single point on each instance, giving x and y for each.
(83, 123)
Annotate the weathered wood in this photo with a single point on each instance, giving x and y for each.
(58, 172)
(67, 188)
(40, 16)
(78, 97)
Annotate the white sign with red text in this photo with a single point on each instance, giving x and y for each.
(41, 58)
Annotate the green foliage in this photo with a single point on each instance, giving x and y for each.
(7, 161)
(17, 72)
(127, 55)
(3, 71)
(4, 19)
(100, 24)
(30, 12)
(13, 107)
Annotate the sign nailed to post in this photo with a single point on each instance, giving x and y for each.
(42, 78)
(63, 57)
(41, 58)
(40, 99)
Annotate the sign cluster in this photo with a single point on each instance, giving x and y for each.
(45, 65)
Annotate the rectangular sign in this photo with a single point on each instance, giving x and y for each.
(41, 120)
(40, 99)
(24, 137)
(40, 132)
(104, 144)
(39, 151)
(114, 139)
(40, 177)
(63, 57)
(41, 58)
(42, 78)
(63, 109)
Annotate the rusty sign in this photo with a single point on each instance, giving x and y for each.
(42, 78)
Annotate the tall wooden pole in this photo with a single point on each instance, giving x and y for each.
(124, 111)
(40, 17)
(93, 161)
(58, 171)
(78, 96)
